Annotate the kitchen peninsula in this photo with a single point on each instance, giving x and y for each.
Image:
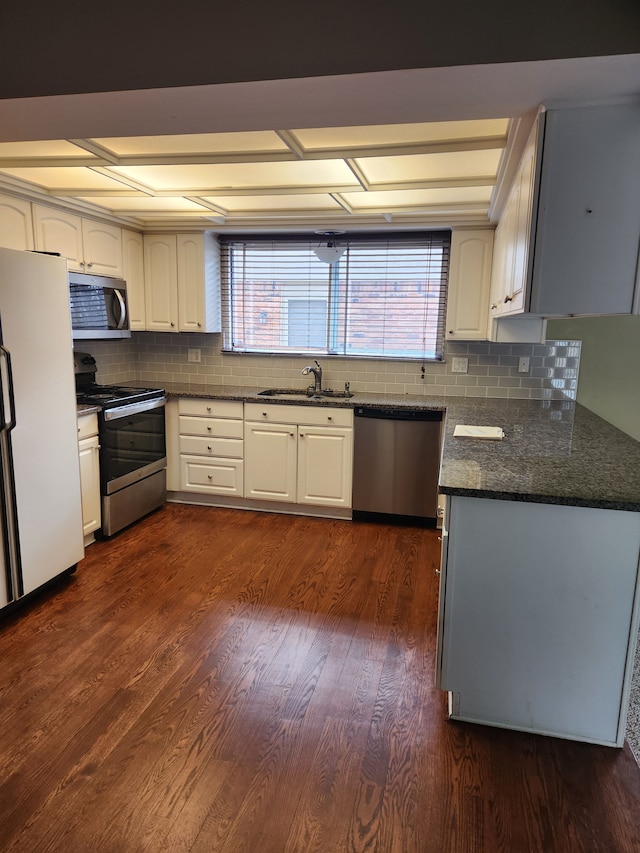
(539, 581)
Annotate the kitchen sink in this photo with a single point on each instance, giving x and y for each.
(305, 394)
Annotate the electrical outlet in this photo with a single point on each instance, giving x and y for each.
(193, 355)
(459, 365)
(523, 364)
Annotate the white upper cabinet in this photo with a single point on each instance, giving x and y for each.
(102, 247)
(89, 246)
(588, 232)
(133, 273)
(161, 282)
(469, 281)
(198, 283)
(16, 226)
(182, 282)
(568, 239)
(513, 239)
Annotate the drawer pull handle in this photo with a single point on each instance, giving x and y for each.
(209, 428)
(209, 476)
(208, 447)
(264, 414)
(208, 408)
(329, 418)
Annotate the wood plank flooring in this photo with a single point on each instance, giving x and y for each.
(218, 680)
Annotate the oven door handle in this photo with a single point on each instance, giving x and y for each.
(122, 312)
(133, 409)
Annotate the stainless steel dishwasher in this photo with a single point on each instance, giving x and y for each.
(396, 463)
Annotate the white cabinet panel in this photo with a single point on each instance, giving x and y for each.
(299, 454)
(271, 459)
(58, 231)
(538, 605)
(133, 274)
(182, 282)
(218, 476)
(16, 224)
(102, 248)
(469, 283)
(325, 462)
(161, 282)
(586, 250)
(89, 246)
(89, 455)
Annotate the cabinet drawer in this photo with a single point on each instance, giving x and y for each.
(314, 415)
(196, 445)
(213, 427)
(210, 408)
(87, 425)
(211, 476)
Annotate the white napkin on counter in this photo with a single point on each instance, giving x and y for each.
(470, 431)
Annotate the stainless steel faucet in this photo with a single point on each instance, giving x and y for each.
(317, 374)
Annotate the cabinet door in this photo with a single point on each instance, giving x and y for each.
(523, 200)
(586, 249)
(161, 282)
(16, 225)
(270, 461)
(469, 282)
(57, 231)
(133, 273)
(190, 252)
(325, 462)
(89, 453)
(102, 247)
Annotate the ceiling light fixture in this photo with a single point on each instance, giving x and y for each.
(328, 252)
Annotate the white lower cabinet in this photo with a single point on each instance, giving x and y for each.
(89, 454)
(210, 446)
(299, 454)
(538, 616)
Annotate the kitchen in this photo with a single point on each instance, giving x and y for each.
(151, 351)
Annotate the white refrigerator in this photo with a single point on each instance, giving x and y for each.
(40, 503)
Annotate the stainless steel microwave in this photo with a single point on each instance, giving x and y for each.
(99, 307)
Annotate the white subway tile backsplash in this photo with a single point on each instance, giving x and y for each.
(493, 368)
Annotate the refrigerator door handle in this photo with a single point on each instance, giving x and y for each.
(7, 425)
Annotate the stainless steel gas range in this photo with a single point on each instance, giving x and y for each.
(133, 457)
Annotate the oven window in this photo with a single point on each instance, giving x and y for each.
(131, 442)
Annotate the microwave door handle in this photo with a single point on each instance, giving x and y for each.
(7, 425)
(122, 314)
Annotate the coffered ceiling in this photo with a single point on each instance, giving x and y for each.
(346, 177)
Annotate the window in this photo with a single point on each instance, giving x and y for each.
(384, 298)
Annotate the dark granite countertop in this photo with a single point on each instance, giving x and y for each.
(552, 452)
(86, 409)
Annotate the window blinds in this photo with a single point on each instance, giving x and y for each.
(385, 297)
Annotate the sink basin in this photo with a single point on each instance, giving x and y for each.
(295, 393)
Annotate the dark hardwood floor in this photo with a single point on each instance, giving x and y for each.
(215, 680)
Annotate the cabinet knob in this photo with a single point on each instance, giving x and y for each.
(209, 428)
(208, 408)
(329, 418)
(90, 264)
(208, 447)
(209, 477)
(291, 434)
(199, 324)
(494, 306)
(172, 325)
(508, 299)
(264, 414)
(301, 435)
